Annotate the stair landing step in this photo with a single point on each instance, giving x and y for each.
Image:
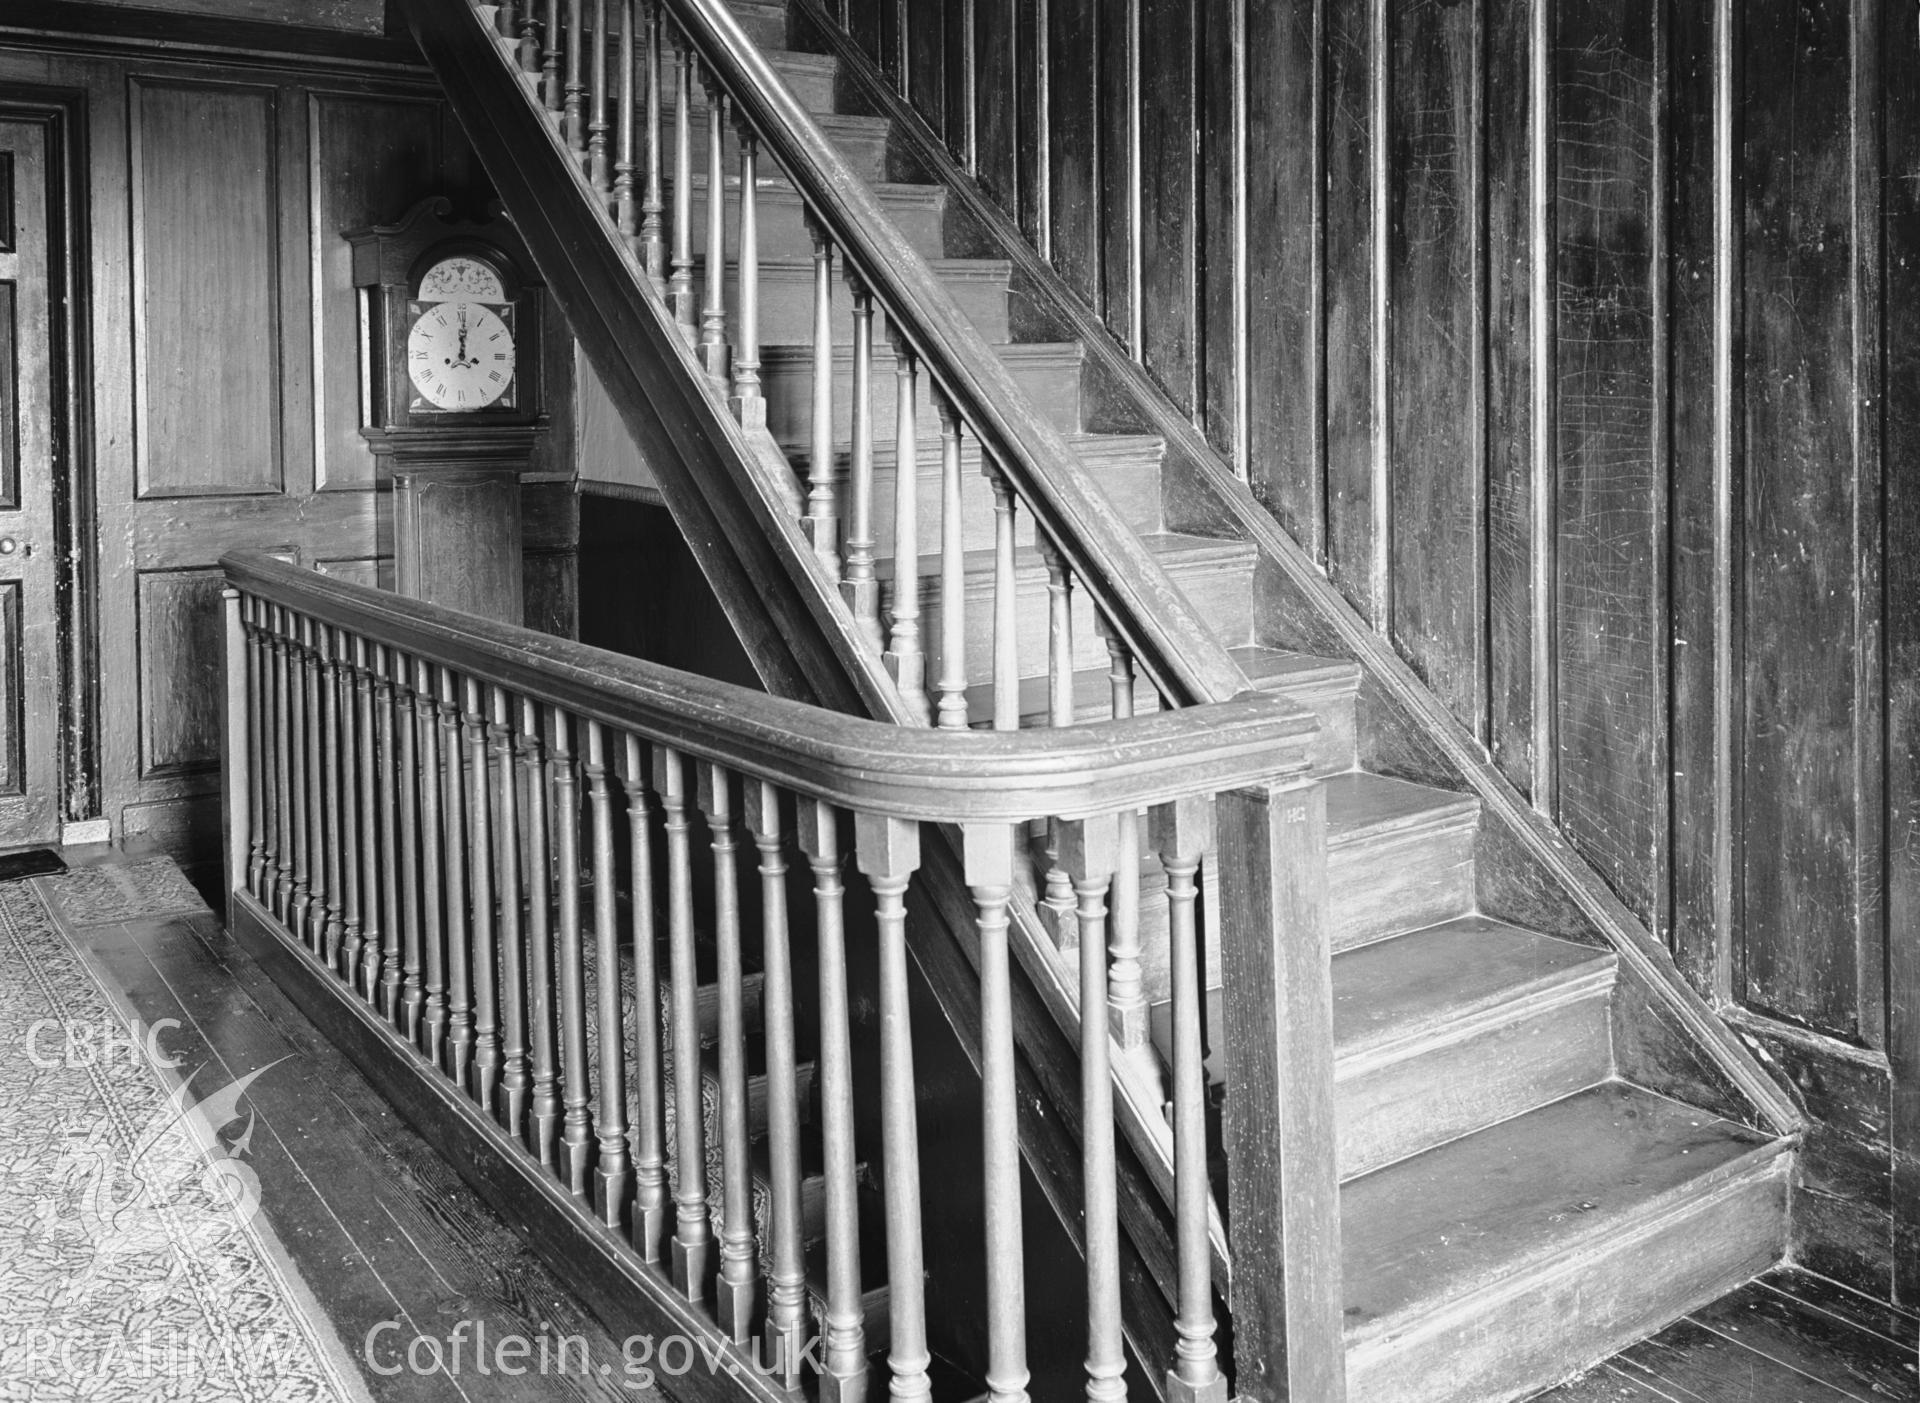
(1491, 1265)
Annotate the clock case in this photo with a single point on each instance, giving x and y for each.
(389, 263)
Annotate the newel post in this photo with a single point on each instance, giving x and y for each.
(236, 778)
(1284, 1200)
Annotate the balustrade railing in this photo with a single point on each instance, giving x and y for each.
(431, 807)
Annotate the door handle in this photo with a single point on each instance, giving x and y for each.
(9, 546)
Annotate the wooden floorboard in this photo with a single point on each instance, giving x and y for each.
(380, 1227)
(1789, 1338)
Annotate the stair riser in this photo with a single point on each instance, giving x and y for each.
(786, 305)
(1215, 592)
(1378, 888)
(1546, 1326)
(780, 215)
(863, 147)
(1420, 881)
(814, 83)
(786, 375)
(1390, 1111)
(1133, 485)
(766, 25)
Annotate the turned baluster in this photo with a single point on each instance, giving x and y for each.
(1126, 988)
(599, 172)
(551, 88)
(649, 1133)
(343, 859)
(1181, 833)
(1059, 890)
(376, 877)
(543, 1099)
(692, 1234)
(1087, 850)
(433, 914)
(888, 851)
(313, 669)
(787, 1280)
(486, 999)
(738, 1284)
(610, 1173)
(859, 585)
(528, 53)
(573, 120)
(988, 856)
(952, 684)
(300, 898)
(625, 208)
(821, 520)
(680, 286)
(394, 912)
(453, 814)
(240, 755)
(1006, 616)
(506, 18)
(905, 658)
(515, 1083)
(749, 407)
(283, 767)
(843, 1368)
(653, 250)
(265, 751)
(576, 1138)
(713, 310)
(406, 779)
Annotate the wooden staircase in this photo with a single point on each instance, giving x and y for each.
(1513, 1209)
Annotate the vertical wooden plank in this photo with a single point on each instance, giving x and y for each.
(1437, 479)
(1900, 61)
(1073, 119)
(1510, 426)
(1610, 708)
(1802, 479)
(1034, 91)
(1350, 236)
(996, 111)
(1285, 213)
(923, 46)
(1220, 191)
(1169, 226)
(1706, 532)
(1120, 167)
(957, 39)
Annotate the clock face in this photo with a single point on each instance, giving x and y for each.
(461, 279)
(460, 354)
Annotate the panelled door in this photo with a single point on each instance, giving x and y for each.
(30, 691)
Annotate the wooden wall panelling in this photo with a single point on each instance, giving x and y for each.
(1899, 50)
(1355, 443)
(1119, 65)
(1220, 194)
(372, 156)
(1611, 704)
(997, 111)
(1435, 252)
(1803, 477)
(1508, 162)
(1284, 216)
(923, 58)
(13, 715)
(206, 284)
(1074, 131)
(178, 631)
(1169, 186)
(354, 16)
(956, 124)
(1703, 455)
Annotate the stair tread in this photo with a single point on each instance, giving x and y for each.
(1408, 987)
(1434, 1228)
(888, 192)
(1272, 669)
(1362, 805)
(1011, 352)
(988, 270)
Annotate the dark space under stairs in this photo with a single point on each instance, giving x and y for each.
(1512, 1210)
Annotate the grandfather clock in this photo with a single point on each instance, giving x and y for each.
(450, 394)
